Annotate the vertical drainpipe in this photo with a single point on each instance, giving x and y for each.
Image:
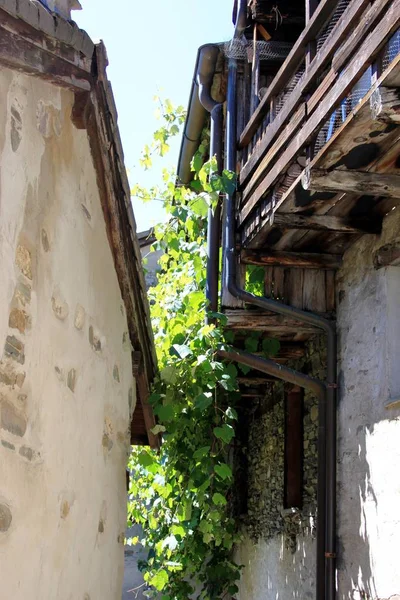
(326, 493)
(205, 74)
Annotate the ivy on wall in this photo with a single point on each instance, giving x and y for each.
(180, 495)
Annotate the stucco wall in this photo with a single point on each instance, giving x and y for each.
(66, 387)
(369, 449)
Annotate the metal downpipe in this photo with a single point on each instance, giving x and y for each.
(326, 524)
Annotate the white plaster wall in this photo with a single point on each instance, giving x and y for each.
(369, 433)
(271, 572)
(65, 388)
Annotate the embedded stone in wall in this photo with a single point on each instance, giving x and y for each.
(94, 340)
(59, 306)
(80, 317)
(23, 260)
(15, 349)
(65, 508)
(86, 213)
(45, 241)
(59, 373)
(126, 342)
(48, 120)
(20, 379)
(12, 421)
(107, 442)
(132, 401)
(101, 526)
(7, 445)
(7, 375)
(116, 373)
(17, 320)
(22, 294)
(71, 380)
(16, 129)
(5, 518)
(27, 453)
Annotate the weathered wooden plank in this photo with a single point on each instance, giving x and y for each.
(365, 55)
(259, 320)
(356, 182)
(314, 290)
(279, 283)
(294, 282)
(299, 260)
(323, 223)
(330, 291)
(387, 256)
(320, 16)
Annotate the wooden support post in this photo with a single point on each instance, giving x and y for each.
(293, 485)
(255, 73)
(355, 182)
(301, 260)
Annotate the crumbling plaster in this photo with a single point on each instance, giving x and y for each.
(368, 432)
(65, 375)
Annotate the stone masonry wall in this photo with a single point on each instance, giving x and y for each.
(279, 546)
(66, 387)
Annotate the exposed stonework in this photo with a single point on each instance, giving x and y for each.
(116, 373)
(59, 306)
(11, 420)
(18, 320)
(71, 379)
(5, 518)
(94, 340)
(27, 453)
(7, 445)
(16, 129)
(80, 317)
(15, 349)
(23, 260)
(45, 241)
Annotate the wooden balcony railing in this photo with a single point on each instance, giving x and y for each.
(342, 53)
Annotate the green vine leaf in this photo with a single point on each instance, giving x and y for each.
(226, 433)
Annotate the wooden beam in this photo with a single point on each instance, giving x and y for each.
(317, 21)
(300, 260)
(260, 320)
(356, 182)
(387, 255)
(365, 55)
(26, 56)
(324, 223)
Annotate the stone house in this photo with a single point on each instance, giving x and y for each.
(304, 105)
(76, 350)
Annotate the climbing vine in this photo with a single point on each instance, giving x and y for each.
(180, 495)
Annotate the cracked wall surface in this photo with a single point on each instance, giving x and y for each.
(66, 386)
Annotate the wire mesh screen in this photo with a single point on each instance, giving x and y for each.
(392, 49)
(340, 114)
(281, 99)
(323, 36)
(243, 49)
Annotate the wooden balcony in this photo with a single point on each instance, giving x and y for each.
(319, 156)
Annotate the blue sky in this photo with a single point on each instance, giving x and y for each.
(152, 47)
